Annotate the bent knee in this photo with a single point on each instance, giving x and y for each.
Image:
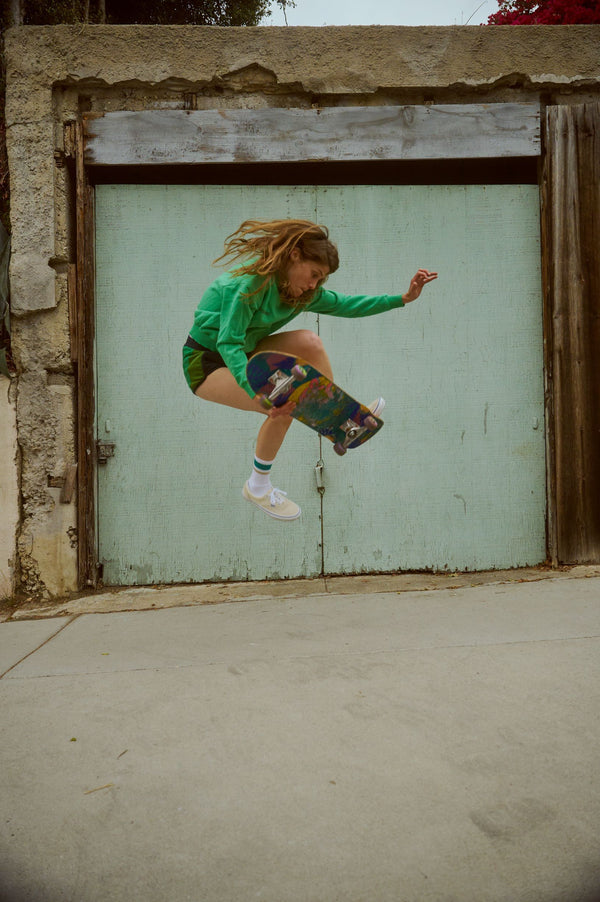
(309, 344)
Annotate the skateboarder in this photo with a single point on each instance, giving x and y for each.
(280, 268)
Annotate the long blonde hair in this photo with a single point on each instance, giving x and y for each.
(269, 246)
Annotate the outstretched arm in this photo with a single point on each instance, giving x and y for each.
(417, 283)
(335, 304)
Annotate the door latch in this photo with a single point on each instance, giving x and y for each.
(104, 450)
(319, 476)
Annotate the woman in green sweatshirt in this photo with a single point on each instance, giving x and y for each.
(287, 262)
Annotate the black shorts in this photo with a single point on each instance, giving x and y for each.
(199, 362)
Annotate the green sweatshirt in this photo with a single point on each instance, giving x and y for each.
(229, 322)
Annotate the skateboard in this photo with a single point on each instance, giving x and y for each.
(320, 404)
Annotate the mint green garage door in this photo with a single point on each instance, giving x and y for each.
(456, 480)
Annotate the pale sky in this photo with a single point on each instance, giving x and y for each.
(385, 12)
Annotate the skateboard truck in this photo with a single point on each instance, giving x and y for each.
(353, 431)
(281, 384)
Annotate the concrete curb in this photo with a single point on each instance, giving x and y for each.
(160, 597)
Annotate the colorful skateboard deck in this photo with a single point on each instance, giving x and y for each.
(320, 404)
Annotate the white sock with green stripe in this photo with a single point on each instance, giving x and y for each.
(260, 479)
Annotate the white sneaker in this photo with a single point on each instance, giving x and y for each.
(376, 406)
(275, 503)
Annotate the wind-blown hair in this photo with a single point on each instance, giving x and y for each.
(269, 246)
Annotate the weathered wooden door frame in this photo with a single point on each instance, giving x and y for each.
(85, 152)
(82, 325)
(570, 201)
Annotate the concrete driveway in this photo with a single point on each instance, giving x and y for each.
(439, 745)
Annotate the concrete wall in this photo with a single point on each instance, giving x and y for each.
(9, 488)
(54, 73)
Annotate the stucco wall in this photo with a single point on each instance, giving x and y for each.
(54, 73)
(9, 488)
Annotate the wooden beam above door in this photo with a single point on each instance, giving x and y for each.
(436, 132)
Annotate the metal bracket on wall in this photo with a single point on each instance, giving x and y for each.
(320, 466)
(104, 450)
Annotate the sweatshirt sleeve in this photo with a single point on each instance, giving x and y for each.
(236, 315)
(353, 306)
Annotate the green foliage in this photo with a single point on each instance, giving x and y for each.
(55, 12)
(186, 12)
(147, 12)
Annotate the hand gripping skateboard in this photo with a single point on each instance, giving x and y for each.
(320, 404)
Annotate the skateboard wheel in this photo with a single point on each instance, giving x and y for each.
(298, 372)
(339, 448)
(264, 402)
(370, 422)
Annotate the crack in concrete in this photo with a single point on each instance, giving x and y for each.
(41, 645)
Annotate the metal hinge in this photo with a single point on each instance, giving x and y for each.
(104, 450)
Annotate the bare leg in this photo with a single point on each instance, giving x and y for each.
(222, 388)
(302, 343)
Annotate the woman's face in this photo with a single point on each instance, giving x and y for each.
(304, 275)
